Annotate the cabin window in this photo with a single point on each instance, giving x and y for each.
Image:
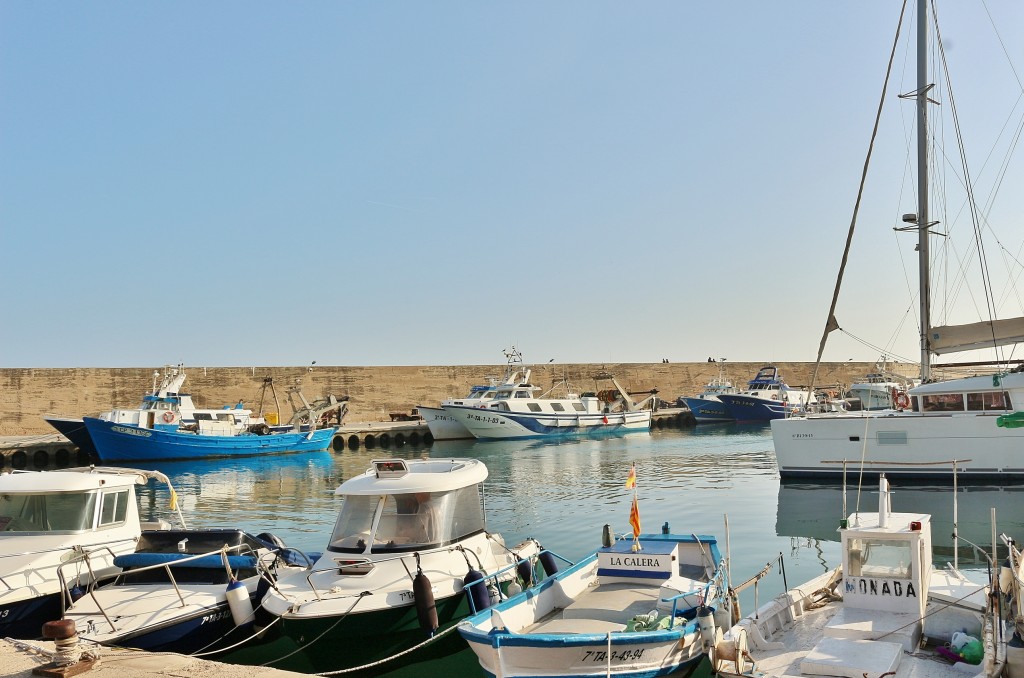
(503, 395)
(557, 407)
(880, 558)
(352, 530)
(47, 512)
(579, 407)
(114, 508)
(991, 400)
(534, 407)
(522, 394)
(943, 402)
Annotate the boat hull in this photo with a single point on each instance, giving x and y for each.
(493, 424)
(707, 411)
(335, 642)
(75, 431)
(119, 442)
(442, 425)
(750, 408)
(898, 444)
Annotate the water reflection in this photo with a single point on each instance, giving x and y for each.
(813, 511)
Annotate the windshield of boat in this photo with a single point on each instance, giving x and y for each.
(407, 522)
(61, 512)
(880, 558)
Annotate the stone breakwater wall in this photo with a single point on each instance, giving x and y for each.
(375, 392)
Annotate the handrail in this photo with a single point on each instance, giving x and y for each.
(166, 567)
(719, 579)
(497, 573)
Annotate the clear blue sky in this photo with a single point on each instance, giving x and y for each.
(376, 183)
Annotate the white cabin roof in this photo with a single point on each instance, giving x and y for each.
(34, 482)
(979, 384)
(425, 475)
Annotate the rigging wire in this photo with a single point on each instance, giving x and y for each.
(969, 186)
(831, 323)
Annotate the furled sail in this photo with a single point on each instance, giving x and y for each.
(986, 334)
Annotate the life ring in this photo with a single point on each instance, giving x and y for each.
(902, 401)
(168, 417)
(775, 396)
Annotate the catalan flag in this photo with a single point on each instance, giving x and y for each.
(634, 518)
(631, 478)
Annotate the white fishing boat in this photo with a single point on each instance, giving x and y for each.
(185, 591)
(880, 389)
(517, 411)
(885, 611)
(973, 421)
(633, 608)
(73, 523)
(410, 537)
(444, 426)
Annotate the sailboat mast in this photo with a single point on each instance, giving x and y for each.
(922, 185)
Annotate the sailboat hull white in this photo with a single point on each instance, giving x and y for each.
(898, 444)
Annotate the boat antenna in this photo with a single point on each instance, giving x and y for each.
(831, 323)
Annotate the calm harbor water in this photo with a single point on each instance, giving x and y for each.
(563, 493)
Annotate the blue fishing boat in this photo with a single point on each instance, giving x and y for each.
(767, 397)
(210, 438)
(707, 408)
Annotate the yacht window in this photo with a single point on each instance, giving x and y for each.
(991, 400)
(501, 395)
(880, 558)
(534, 407)
(113, 508)
(68, 512)
(475, 396)
(203, 416)
(943, 402)
(522, 394)
(891, 437)
(579, 407)
(557, 407)
(352, 531)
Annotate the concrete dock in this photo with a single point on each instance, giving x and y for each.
(18, 659)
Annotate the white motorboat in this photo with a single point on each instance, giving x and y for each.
(409, 541)
(444, 425)
(885, 611)
(633, 608)
(972, 422)
(516, 411)
(185, 591)
(59, 531)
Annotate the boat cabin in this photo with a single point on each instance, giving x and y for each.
(66, 503)
(401, 505)
(980, 394)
